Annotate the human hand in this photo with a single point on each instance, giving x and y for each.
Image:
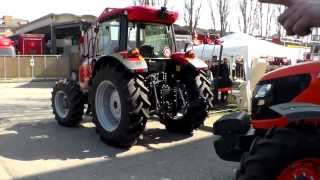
(300, 17)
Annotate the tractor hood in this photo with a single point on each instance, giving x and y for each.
(304, 68)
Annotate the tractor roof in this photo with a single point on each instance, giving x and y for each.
(140, 14)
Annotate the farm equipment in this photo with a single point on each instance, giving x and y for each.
(131, 72)
(6, 47)
(284, 141)
(221, 83)
(30, 44)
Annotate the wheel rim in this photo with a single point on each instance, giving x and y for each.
(61, 104)
(307, 169)
(108, 106)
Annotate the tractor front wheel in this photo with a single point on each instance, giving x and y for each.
(67, 103)
(281, 155)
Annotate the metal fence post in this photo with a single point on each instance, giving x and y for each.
(45, 62)
(4, 68)
(32, 69)
(19, 73)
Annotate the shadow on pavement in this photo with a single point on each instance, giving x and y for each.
(47, 140)
(183, 162)
(39, 85)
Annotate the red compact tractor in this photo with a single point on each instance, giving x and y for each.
(281, 138)
(131, 72)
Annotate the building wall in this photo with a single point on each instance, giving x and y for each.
(8, 24)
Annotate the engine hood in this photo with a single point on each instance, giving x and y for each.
(304, 68)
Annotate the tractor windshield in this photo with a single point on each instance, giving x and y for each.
(153, 40)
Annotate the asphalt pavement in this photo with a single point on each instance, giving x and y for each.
(34, 147)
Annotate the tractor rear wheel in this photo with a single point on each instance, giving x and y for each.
(67, 103)
(199, 100)
(120, 105)
(270, 157)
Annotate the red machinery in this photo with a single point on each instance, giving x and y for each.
(30, 44)
(284, 141)
(131, 71)
(6, 47)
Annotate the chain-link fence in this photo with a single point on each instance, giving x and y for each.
(35, 67)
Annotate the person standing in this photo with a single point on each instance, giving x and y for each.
(225, 80)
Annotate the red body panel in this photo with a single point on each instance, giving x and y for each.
(180, 57)
(309, 67)
(141, 14)
(7, 45)
(225, 90)
(31, 44)
(308, 168)
(5, 42)
(183, 59)
(309, 95)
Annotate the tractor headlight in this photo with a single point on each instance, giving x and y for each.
(262, 94)
(262, 90)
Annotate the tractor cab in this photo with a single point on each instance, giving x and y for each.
(136, 32)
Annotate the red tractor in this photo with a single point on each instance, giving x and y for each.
(281, 138)
(131, 72)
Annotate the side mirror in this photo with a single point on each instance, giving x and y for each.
(186, 46)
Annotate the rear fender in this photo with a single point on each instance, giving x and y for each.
(133, 65)
(194, 62)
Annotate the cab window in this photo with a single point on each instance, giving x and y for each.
(108, 37)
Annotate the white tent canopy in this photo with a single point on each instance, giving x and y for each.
(248, 47)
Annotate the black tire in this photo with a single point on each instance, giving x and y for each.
(204, 86)
(199, 97)
(270, 155)
(134, 105)
(75, 103)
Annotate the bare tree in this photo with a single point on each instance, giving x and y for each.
(243, 9)
(268, 19)
(212, 15)
(260, 7)
(255, 22)
(192, 15)
(248, 11)
(279, 10)
(223, 7)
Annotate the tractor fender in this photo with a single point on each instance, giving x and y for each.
(298, 111)
(133, 65)
(195, 61)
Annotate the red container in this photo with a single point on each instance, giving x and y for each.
(31, 44)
